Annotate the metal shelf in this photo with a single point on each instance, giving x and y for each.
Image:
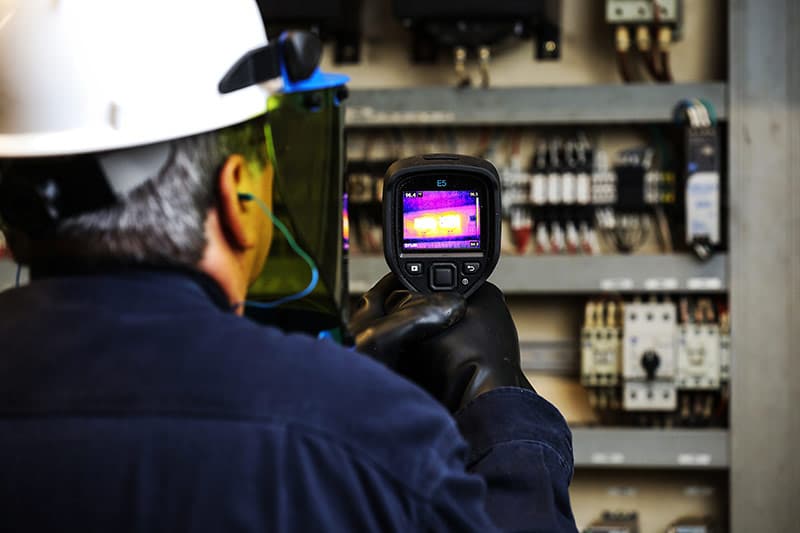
(651, 448)
(583, 274)
(596, 104)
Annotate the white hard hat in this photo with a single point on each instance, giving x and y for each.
(79, 76)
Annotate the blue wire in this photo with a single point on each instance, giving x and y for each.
(681, 108)
(299, 251)
(19, 272)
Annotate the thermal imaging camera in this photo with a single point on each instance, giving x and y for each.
(441, 222)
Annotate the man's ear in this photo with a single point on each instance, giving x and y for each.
(232, 210)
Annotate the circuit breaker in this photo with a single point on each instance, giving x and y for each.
(649, 357)
(699, 357)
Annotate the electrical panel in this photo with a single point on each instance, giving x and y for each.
(573, 190)
(645, 360)
(561, 194)
(672, 362)
(479, 29)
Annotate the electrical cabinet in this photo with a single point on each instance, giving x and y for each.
(594, 218)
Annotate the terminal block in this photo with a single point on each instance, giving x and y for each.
(641, 11)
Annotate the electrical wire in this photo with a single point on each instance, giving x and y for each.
(623, 45)
(652, 65)
(656, 59)
(644, 42)
(624, 67)
(297, 249)
(666, 69)
(664, 233)
(19, 274)
(695, 111)
(709, 116)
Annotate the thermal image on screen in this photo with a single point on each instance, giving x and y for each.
(345, 223)
(441, 219)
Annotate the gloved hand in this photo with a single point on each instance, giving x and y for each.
(478, 354)
(390, 319)
(422, 338)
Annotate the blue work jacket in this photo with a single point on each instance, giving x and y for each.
(137, 402)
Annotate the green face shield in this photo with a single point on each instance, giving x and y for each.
(304, 138)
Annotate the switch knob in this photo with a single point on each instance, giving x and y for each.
(650, 362)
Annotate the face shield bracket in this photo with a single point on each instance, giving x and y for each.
(299, 53)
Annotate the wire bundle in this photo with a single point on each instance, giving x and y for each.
(697, 111)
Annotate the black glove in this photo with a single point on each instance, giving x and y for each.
(478, 354)
(390, 319)
(422, 338)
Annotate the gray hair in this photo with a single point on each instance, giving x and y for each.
(162, 221)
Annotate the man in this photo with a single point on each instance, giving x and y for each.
(135, 183)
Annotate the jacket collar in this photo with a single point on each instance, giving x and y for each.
(133, 287)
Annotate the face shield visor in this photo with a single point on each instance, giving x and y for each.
(303, 285)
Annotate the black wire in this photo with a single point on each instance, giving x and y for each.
(624, 67)
(666, 70)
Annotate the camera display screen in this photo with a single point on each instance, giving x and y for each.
(441, 220)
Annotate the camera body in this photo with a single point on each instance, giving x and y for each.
(442, 222)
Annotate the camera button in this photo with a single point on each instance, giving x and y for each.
(471, 268)
(443, 277)
(414, 269)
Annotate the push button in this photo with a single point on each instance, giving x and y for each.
(471, 268)
(443, 277)
(415, 269)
